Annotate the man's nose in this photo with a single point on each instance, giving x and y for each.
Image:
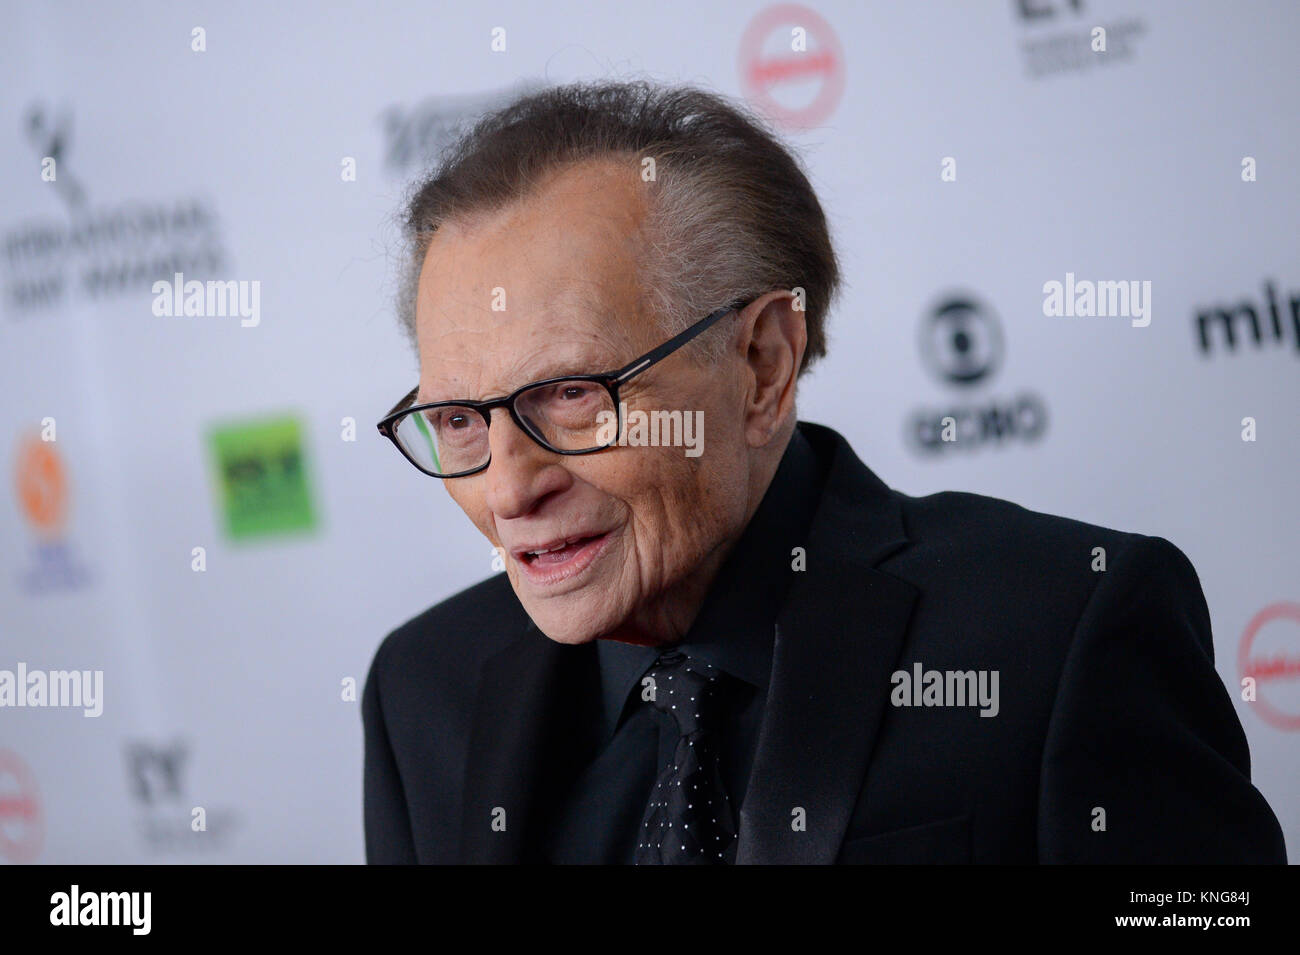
(522, 472)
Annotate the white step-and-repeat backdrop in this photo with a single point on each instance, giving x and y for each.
(199, 520)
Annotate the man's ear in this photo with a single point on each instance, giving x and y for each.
(772, 342)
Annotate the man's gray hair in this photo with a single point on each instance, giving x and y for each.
(731, 213)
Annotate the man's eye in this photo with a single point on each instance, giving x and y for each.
(575, 391)
(443, 420)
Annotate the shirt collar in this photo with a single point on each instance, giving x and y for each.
(735, 628)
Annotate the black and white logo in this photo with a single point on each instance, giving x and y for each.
(961, 344)
(961, 341)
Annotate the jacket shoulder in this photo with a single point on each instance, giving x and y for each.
(1030, 571)
(976, 527)
(454, 636)
(960, 522)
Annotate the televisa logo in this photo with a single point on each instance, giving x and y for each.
(103, 908)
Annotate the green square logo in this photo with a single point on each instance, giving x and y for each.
(262, 476)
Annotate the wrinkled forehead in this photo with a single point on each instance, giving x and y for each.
(546, 287)
(472, 353)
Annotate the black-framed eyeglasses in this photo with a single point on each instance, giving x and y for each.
(572, 414)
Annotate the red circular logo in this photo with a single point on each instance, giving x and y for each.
(1270, 654)
(22, 827)
(791, 65)
(42, 485)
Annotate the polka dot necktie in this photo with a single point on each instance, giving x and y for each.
(688, 820)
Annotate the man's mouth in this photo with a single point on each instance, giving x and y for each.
(562, 559)
(557, 551)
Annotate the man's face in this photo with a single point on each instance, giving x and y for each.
(638, 528)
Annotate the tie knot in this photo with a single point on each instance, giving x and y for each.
(683, 687)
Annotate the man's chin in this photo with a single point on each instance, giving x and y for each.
(566, 621)
(571, 638)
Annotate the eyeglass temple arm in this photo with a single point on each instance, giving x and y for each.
(674, 343)
(406, 400)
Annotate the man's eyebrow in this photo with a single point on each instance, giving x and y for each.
(563, 369)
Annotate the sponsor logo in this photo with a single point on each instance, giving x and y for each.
(261, 476)
(1222, 326)
(1060, 37)
(167, 821)
(22, 824)
(792, 66)
(96, 253)
(961, 344)
(414, 136)
(42, 489)
(1269, 654)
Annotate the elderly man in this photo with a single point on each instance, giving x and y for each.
(743, 647)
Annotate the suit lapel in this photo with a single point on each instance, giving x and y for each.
(838, 639)
(523, 744)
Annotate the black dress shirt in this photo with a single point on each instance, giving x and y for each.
(600, 819)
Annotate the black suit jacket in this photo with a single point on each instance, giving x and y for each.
(1115, 740)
